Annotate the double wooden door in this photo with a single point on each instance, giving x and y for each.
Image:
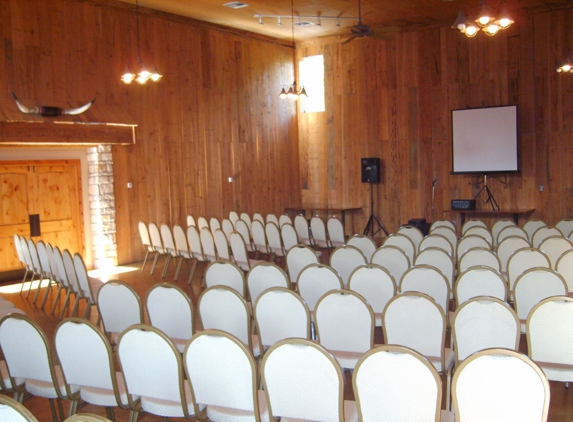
(42, 196)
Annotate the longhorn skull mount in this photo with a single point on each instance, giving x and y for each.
(49, 111)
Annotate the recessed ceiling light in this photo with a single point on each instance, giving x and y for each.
(304, 23)
(236, 5)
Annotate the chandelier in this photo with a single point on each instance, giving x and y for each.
(144, 75)
(292, 91)
(485, 21)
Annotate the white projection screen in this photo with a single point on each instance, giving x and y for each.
(484, 140)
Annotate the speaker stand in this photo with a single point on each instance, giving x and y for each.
(374, 225)
(488, 195)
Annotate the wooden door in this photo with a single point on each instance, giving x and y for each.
(49, 189)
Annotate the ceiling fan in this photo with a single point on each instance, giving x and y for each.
(360, 30)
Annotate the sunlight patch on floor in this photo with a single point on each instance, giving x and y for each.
(106, 274)
(15, 288)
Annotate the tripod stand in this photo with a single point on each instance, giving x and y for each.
(488, 195)
(374, 225)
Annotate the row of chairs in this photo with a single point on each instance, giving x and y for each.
(46, 262)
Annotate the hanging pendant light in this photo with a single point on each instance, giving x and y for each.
(143, 75)
(292, 91)
(485, 21)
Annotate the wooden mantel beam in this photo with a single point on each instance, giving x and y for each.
(64, 133)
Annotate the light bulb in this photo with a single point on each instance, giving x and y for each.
(283, 93)
(471, 31)
(127, 77)
(491, 29)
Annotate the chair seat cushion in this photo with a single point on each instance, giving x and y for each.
(224, 414)
(104, 396)
(168, 408)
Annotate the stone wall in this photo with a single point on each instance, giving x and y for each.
(102, 206)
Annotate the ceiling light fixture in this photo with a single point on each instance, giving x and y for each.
(144, 75)
(305, 19)
(565, 65)
(485, 21)
(292, 91)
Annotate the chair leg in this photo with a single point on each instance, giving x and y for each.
(53, 409)
(154, 263)
(192, 272)
(167, 262)
(76, 306)
(30, 286)
(37, 295)
(145, 260)
(57, 298)
(48, 290)
(24, 280)
(110, 413)
(179, 265)
(66, 303)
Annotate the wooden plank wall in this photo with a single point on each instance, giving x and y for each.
(216, 113)
(393, 98)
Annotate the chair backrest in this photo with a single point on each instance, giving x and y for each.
(376, 285)
(18, 247)
(119, 306)
(145, 377)
(533, 286)
(319, 231)
(225, 273)
(279, 314)
(449, 234)
(244, 230)
(44, 261)
(564, 266)
(52, 260)
(315, 280)
(228, 227)
(26, 253)
(482, 323)
(552, 246)
(274, 239)
(511, 231)
(415, 320)
(498, 226)
(434, 240)
(222, 308)
(429, 280)
(335, 231)
(233, 217)
(480, 281)
(480, 231)
(222, 372)
(522, 260)
(531, 227)
(403, 242)
(345, 259)
(344, 323)
(565, 226)
(441, 260)
(365, 243)
(317, 392)
(473, 222)
(297, 258)
(479, 256)
(144, 233)
(500, 385)
(181, 244)
(389, 378)
(239, 249)
(84, 279)
(155, 235)
(170, 310)
(34, 255)
(393, 259)
(260, 237)
(543, 233)
(302, 230)
(442, 223)
(214, 224)
(202, 223)
(508, 246)
(85, 356)
(247, 219)
(284, 219)
(13, 411)
(222, 245)
(28, 355)
(272, 218)
(70, 271)
(87, 417)
(547, 341)
(190, 221)
(258, 217)
(58, 258)
(195, 244)
(469, 242)
(289, 236)
(168, 241)
(208, 244)
(414, 233)
(265, 275)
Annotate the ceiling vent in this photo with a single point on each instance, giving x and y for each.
(236, 5)
(303, 23)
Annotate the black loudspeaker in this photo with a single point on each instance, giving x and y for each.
(370, 170)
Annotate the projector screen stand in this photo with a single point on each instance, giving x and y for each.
(488, 195)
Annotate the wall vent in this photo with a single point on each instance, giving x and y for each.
(236, 5)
